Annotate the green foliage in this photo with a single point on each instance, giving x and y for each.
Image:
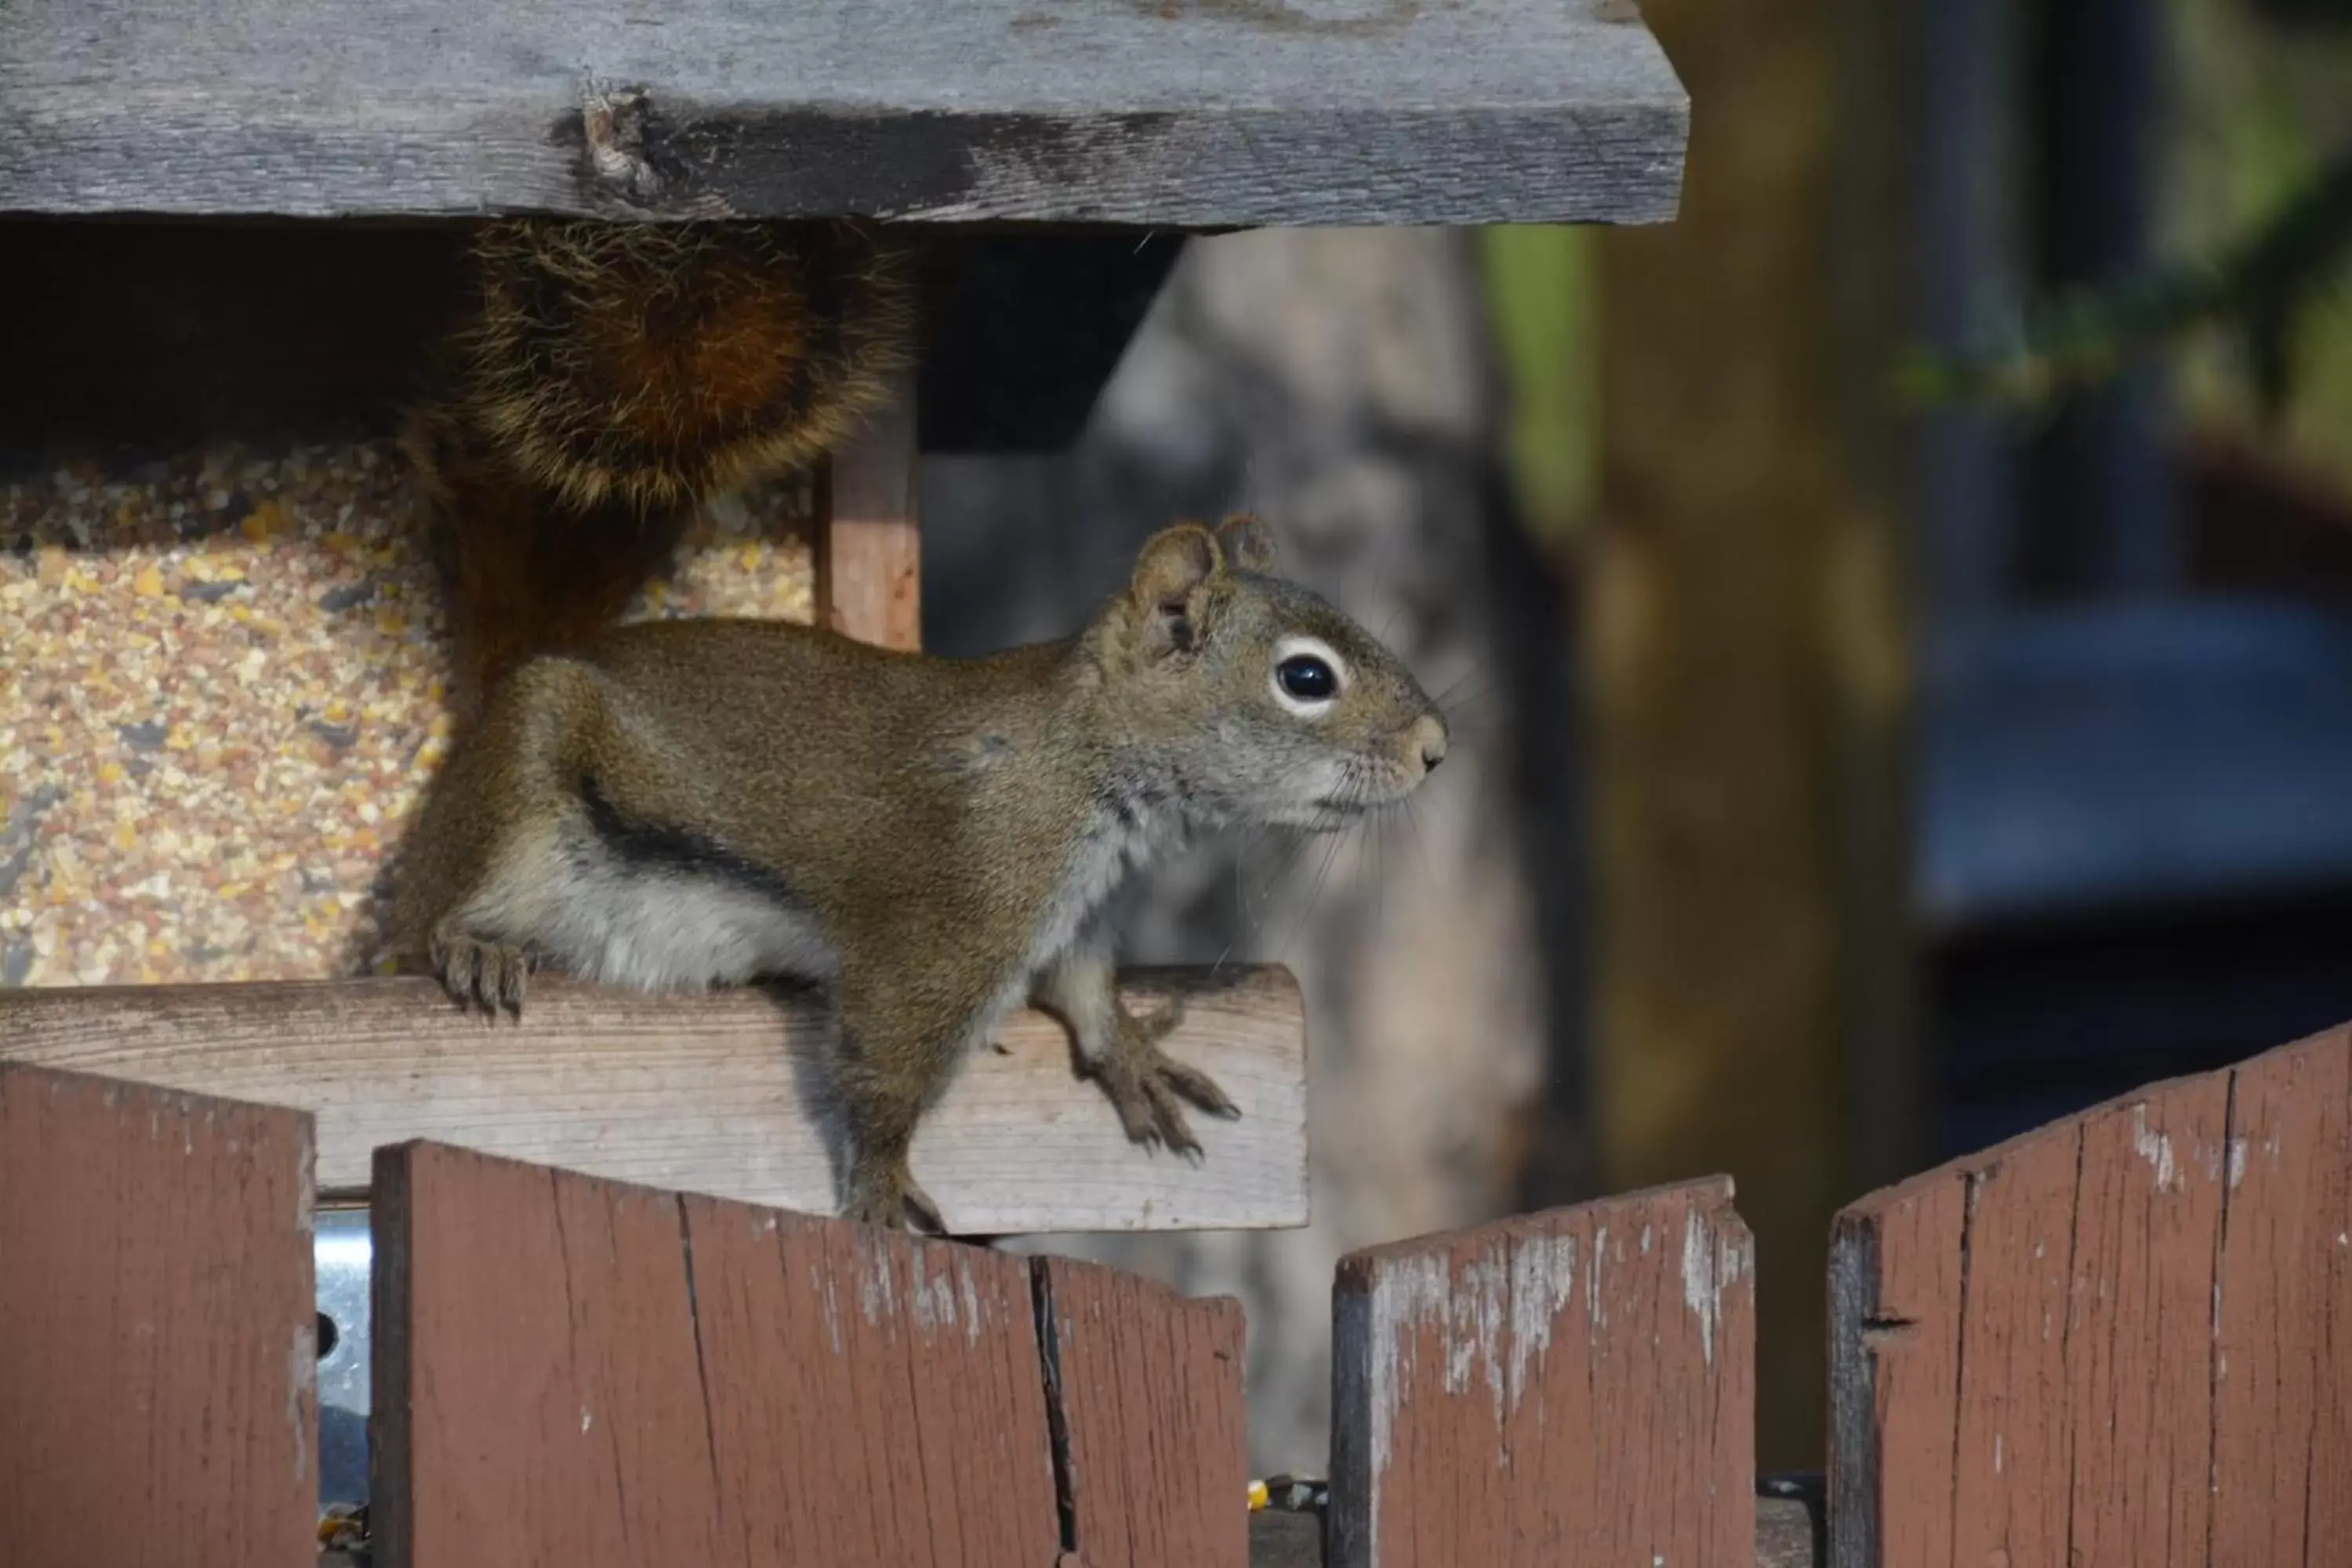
(2261, 288)
(1541, 284)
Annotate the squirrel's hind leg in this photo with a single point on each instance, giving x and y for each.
(900, 1047)
(493, 860)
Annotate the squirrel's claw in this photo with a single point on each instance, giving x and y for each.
(492, 976)
(1146, 1085)
(889, 1198)
(1198, 1088)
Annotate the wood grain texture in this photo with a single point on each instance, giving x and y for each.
(1566, 1387)
(1150, 1418)
(1788, 1533)
(2283, 1354)
(584, 1371)
(2107, 1342)
(1283, 111)
(869, 563)
(702, 1093)
(158, 1377)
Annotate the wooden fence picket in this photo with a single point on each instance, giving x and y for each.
(1574, 1387)
(157, 1378)
(1149, 1422)
(2122, 1341)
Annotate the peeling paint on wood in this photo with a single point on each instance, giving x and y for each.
(2119, 1340)
(1554, 1388)
(157, 1378)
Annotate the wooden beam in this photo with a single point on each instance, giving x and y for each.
(1276, 113)
(705, 1094)
(869, 562)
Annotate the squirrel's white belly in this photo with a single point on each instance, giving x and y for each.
(663, 930)
(657, 928)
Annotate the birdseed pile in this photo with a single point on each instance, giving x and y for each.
(223, 687)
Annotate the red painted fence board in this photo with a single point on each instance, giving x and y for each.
(1155, 1448)
(577, 1371)
(158, 1377)
(2283, 1412)
(1575, 1386)
(2123, 1341)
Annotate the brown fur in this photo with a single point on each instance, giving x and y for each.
(932, 839)
(616, 376)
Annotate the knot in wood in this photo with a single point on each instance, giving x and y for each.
(614, 123)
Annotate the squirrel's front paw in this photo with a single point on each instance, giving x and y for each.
(485, 974)
(1144, 1083)
(884, 1195)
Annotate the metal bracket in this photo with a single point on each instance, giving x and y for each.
(343, 1256)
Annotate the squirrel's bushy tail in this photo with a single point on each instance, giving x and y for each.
(613, 376)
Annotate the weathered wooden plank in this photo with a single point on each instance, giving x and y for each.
(1895, 1302)
(1566, 1387)
(2020, 1230)
(157, 1378)
(1150, 1419)
(701, 1093)
(2140, 1329)
(584, 1371)
(536, 1383)
(870, 576)
(2102, 1342)
(2283, 1349)
(1183, 114)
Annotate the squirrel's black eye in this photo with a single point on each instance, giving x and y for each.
(1307, 677)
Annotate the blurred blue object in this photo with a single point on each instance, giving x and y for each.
(2085, 760)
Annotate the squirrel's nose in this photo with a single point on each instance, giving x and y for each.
(1429, 735)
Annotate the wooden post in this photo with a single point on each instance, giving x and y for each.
(158, 1376)
(868, 548)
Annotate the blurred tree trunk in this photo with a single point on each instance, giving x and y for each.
(1339, 383)
(1747, 663)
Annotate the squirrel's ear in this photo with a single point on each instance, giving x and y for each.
(1175, 565)
(1247, 542)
